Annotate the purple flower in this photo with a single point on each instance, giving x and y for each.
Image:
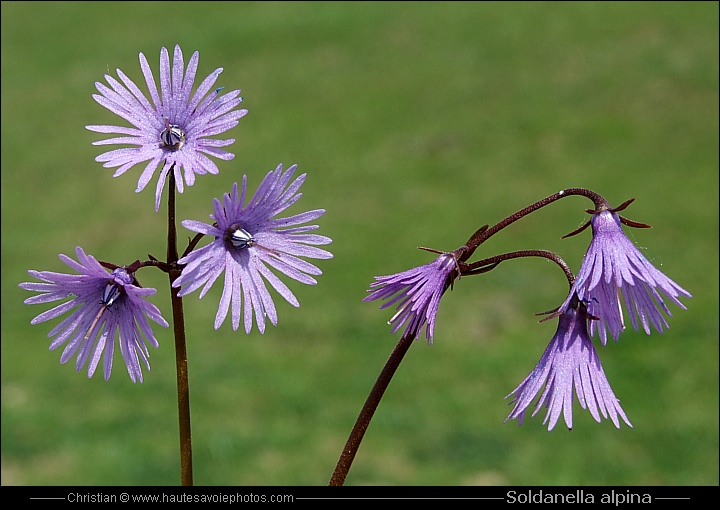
(418, 294)
(111, 305)
(174, 129)
(613, 266)
(246, 239)
(569, 361)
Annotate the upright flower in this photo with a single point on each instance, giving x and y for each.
(570, 361)
(418, 294)
(612, 267)
(246, 239)
(174, 128)
(109, 305)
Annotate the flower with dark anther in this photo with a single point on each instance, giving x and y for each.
(109, 306)
(417, 293)
(569, 363)
(614, 271)
(174, 129)
(246, 239)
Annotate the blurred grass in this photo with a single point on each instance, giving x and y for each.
(416, 123)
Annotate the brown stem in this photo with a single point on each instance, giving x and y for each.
(191, 245)
(180, 345)
(484, 265)
(366, 414)
(484, 233)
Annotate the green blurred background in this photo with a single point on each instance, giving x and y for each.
(416, 123)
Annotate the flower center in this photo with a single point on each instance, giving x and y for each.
(110, 294)
(239, 237)
(172, 137)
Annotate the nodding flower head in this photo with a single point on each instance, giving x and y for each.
(569, 363)
(417, 293)
(614, 272)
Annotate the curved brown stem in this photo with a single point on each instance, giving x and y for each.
(484, 233)
(191, 245)
(485, 265)
(361, 424)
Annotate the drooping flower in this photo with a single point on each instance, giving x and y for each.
(109, 306)
(247, 240)
(569, 362)
(174, 129)
(612, 267)
(418, 294)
